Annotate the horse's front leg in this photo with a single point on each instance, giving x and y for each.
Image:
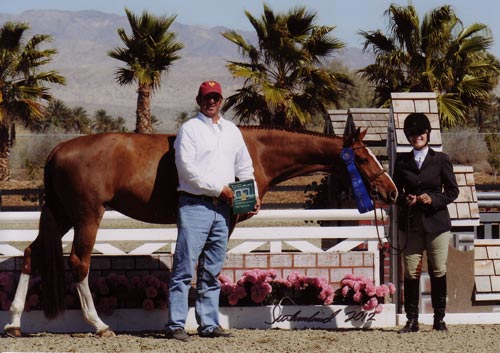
(89, 312)
(80, 263)
(13, 329)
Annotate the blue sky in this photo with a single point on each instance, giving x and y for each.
(349, 16)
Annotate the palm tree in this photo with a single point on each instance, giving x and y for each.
(148, 53)
(103, 122)
(437, 55)
(284, 81)
(79, 121)
(22, 83)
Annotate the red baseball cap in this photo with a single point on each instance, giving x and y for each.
(208, 87)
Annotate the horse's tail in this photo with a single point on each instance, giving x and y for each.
(49, 259)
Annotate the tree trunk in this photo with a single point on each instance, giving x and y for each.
(143, 113)
(4, 152)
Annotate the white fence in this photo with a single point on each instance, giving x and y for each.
(19, 228)
(250, 237)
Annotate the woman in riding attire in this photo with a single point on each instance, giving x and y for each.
(426, 185)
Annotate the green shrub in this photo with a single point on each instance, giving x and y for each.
(467, 147)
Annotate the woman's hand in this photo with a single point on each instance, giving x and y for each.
(425, 199)
(411, 199)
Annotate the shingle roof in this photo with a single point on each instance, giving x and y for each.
(376, 120)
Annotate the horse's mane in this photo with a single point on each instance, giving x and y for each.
(282, 128)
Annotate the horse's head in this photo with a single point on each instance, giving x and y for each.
(381, 186)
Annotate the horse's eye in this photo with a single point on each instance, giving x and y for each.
(362, 160)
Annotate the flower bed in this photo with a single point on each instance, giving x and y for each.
(254, 288)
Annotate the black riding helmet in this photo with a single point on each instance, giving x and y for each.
(417, 124)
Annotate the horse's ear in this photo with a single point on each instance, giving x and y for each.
(362, 134)
(350, 127)
(350, 132)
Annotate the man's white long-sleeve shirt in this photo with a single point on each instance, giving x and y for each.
(209, 156)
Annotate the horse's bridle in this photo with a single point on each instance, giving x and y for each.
(371, 179)
(375, 197)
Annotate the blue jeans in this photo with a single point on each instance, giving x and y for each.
(203, 228)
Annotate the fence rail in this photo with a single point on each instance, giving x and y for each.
(250, 237)
(245, 239)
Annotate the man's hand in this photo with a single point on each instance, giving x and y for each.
(256, 208)
(227, 195)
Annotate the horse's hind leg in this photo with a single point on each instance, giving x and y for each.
(80, 263)
(33, 255)
(13, 329)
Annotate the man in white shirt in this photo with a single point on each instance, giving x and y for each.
(210, 153)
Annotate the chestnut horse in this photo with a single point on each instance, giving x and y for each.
(136, 175)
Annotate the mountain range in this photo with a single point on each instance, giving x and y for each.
(83, 39)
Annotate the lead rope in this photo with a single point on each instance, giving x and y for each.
(380, 242)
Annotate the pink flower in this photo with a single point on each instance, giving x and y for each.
(316, 281)
(382, 290)
(151, 292)
(260, 291)
(249, 276)
(152, 281)
(123, 280)
(392, 288)
(357, 286)
(240, 292)
(357, 297)
(227, 288)
(329, 299)
(349, 276)
(263, 276)
(371, 290)
(370, 304)
(135, 281)
(148, 304)
(225, 279)
(232, 299)
(348, 282)
(164, 287)
(326, 293)
(379, 309)
(283, 282)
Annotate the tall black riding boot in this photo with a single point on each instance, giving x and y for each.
(411, 297)
(438, 297)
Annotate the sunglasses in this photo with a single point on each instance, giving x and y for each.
(215, 96)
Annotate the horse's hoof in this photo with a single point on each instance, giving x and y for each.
(107, 332)
(12, 332)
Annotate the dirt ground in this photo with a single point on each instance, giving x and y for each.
(459, 338)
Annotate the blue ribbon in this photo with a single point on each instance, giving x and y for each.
(363, 200)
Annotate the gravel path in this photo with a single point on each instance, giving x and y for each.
(460, 339)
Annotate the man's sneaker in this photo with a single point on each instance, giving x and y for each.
(217, 332)
(178, 334)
